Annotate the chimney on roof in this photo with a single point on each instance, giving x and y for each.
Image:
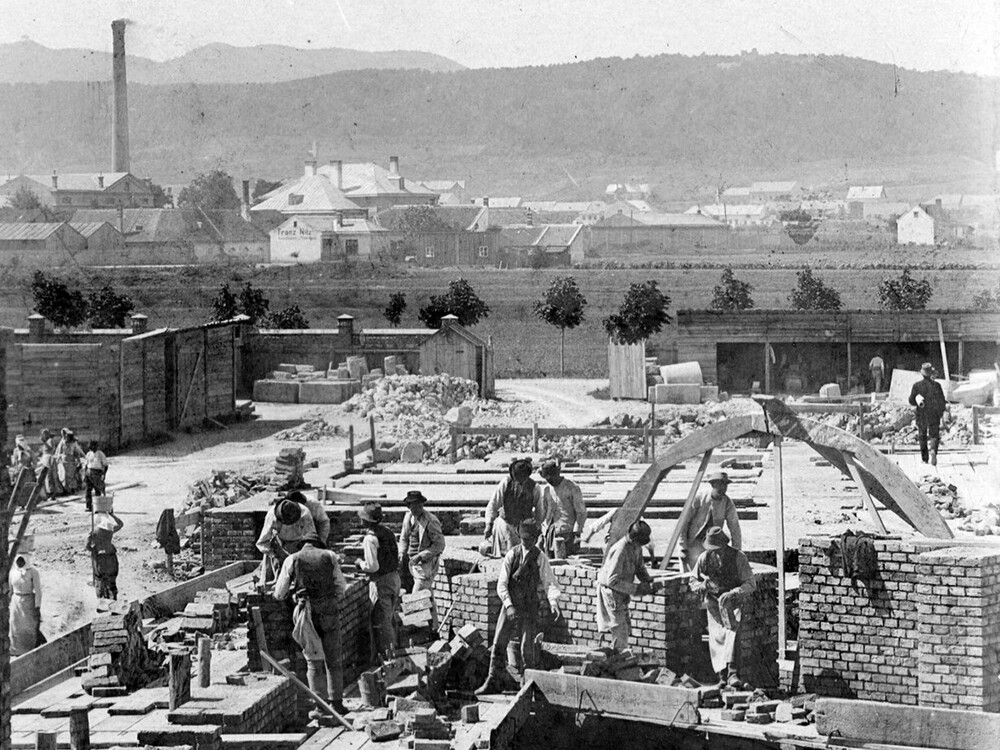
(140, 323)
(100, 181)
(245, 203)
(119, 118)
(36, 327)
(937, 203)
(486, 201)
(531, 218)
(55, 180)
(310, 170)
(345, 326)
(393, 165)
(338, 173)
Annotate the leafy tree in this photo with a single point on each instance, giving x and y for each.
(986, 300)
(799, 225)
(64, 307)
(263, 187)
(732, 294)
(812, 294)
(422, 219)
(108, 309)
(394, 310)
(225, 306)
(210, 190)
(904, 292)
(25, 199)
(289, 317)
(642, 313)
(253, 303)
(562, 306)
(160, 197)
(461, 301)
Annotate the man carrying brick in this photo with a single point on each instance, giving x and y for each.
(421, 543)
(381, 563)
(516, 498)
(313, 576)
(711, 507)
(723, 577)
(616, 583)
(569, 513)
(526, 580)
(928, 396)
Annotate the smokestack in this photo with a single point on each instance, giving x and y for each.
(119, 122)
(393, 165)
(55, 180)
(338, 173)
(245, 205)
(310, 170)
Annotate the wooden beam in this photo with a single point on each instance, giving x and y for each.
(187, 398)
(21, 474)
(504, 733)
(26, 517)
(869, 503)
(944, 350)
(635, 701)
(779, 529)
(686, 513)
(257, 623)
(916, 726)
(303, 687)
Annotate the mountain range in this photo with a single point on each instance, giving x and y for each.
(557, 131)
(29, 62)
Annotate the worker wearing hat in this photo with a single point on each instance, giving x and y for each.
(517, 497)
(569, 513)
(525, 582)
(287, 522)
(616, 583)
(421, 542)
(381, 563)
(104, 555)
(928, 398)
(711, 507)
(723, 578)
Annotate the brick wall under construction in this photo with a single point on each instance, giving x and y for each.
(925, 630)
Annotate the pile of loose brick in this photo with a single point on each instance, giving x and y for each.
(120, 659)
(212, 612)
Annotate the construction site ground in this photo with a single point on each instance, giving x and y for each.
(153, 478)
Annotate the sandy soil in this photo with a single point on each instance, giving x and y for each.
(164, 472)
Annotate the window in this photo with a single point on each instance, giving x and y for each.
(916, 214)
(428, 252)
(484, 251)
(351, 247)
(295, 199)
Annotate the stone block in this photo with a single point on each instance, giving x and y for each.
(325, 391)
(679, 393)
(383, 731)
(709, 393)
(470, 713)
(829, 390)
(412, 452)
(276, 391)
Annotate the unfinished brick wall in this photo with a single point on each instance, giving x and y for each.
(926, 630)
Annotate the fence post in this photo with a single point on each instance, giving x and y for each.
(371, 433)
(534, 437)
(454, 443)
(645, 442)
(975, 425)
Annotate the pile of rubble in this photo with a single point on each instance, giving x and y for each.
(945, 496)
(314, 429)
(892, 422)
(983, 521)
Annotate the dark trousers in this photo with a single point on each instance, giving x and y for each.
(327, 623)
(928, 428)
(384, 595)
(508, 628)
(94, 480)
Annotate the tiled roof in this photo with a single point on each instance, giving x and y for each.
(345, 226)
(520, 236)
(176, 224)
(500, 216)
(865, 192)
(309, 194)
(565, 206)
(677, 220)
(456, 217)
(87, 228)
(773, 187)
(79, 180)
(368, 180)
(737, 192)
(559, 235)
(22, 231)
(500, 201)
(443, 186)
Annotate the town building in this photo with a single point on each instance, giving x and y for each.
(83, 190)
(930, 224)
(647, 234)
(313, 239)
(375, 188)
(104, 241)
(40, 245)
(736, 214)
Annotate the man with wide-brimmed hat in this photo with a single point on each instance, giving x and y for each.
(616, 583)
(525, 582)
(381, 563)
(928, 397)
(517, 497)
(564, 499)
(711, 507)
(723, 577)
(421, 542)
(287, 522)
(313, 576)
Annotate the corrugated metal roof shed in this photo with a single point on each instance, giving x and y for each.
(21, 231)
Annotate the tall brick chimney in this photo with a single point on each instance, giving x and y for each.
(338, 173)
(119, 122)
(140, 324)
(245, 203)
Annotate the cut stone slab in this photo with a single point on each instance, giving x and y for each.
(679, 393)
(276, 391)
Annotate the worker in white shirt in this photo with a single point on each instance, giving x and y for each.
(96, 464)
(564, 498)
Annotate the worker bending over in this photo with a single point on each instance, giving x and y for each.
(616, 583)
(286, 523)
(421, 542)
(313, 576)
(712, 507)
(381, 563)
(723, 577)
(526, 580)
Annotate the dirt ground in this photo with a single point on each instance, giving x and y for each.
(161, 476)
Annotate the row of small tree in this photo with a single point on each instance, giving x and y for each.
(69, 308)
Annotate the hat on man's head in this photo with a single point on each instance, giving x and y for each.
(640, 530)
(529, 526)
(296, 497)
(716, 538)
(717, 476)
(927, 369)
(288, 512)
(311, 537)
(370, 513)
(548, 468)
(414, 496)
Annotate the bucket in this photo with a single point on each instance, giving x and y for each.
(683, 372)
(104, 503)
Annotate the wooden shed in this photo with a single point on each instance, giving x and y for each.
(458, 352)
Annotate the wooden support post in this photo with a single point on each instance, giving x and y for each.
(350, 442)
(645, 442)
(944, 350)
(534, 437)
(21, 474)
(849, 369)
(371, 434)
(454, 443)
(28, 510)
(866, 497)
(204, 661)
(975, 425)
(170, 557)
(179, 688)
(779, 548)
(767, 367)
(257, 623)
(961, 356)
(686, 513)
(45, 740)
(79, 729)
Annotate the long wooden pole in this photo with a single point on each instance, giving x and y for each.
(944, 350)
(686, 513)
(779, 528)
(32, 502)
(866, 496)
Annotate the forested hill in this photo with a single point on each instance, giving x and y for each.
(541, 128)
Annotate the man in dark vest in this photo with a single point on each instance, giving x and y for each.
(526, 579)
(928, 396)
(724, 579)
(516, 497)
(381, 563)
(314, 578)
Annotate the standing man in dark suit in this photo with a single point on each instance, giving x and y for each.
(928, 397)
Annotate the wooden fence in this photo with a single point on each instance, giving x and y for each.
(627, 370)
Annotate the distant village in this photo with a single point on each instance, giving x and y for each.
(342, 211)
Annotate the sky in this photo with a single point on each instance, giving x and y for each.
(957, 35)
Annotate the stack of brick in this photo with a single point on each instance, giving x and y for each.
(289, 466)
(416, 609)
(119, 660)
(472, 597)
